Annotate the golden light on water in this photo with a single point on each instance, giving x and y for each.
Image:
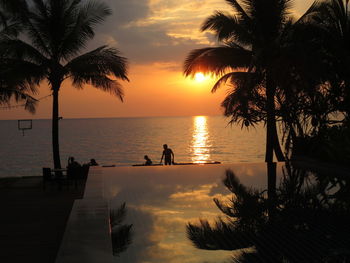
(200, 140)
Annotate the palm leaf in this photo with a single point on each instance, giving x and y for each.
(239, 9)
(227, 28)
(94, 67)
(81, 30)
(223, 236)
(121, 233)
(18, 49)
(216, 60)
(18, 95)
(232, 78)
(243, 104)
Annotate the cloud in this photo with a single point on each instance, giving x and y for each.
(155, 31)
(125, 12)
(152, 31)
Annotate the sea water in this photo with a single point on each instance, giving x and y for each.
(125, 141)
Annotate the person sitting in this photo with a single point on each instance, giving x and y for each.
(72, 164)
(148, 160)
(93, 162)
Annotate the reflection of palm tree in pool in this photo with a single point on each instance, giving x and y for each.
(121, 233)
(309, 221)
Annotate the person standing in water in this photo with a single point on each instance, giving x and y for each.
(168, 155)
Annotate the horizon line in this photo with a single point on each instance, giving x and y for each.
(119, 117)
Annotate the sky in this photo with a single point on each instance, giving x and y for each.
(155, 36)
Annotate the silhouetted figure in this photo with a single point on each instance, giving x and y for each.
(148, 160)
(93, 162)
(72, 163)
(168, 155)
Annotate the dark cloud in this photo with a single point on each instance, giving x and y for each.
(126, 11)
(152, 44)
(139, 41)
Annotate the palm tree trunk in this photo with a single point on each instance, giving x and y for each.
(271, 189)
(269, 139)
(276, 145)
(55, 133)
(272, 142)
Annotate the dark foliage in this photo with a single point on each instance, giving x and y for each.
(121, 233)
(309, 223)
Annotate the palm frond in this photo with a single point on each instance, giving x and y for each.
(121, 238)
(223, 236)
(121, 233)
(31, 22)
(9, 26)
(3, 18)
(239, 9)
(19, 95)
(117, 216)
(244, 103)
(42, 8)
(227, 28)
(231, 77)
(222, 81)
(14, 6)
(100, 81)
(18, 49)
(81, 30)
(102, 60)
(216, 60)
(94, 67)
(20, 73)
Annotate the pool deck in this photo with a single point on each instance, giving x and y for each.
(33, 220)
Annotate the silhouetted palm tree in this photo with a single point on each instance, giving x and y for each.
(252, 40)
(12, 86)
(334, 17)
(56, 32)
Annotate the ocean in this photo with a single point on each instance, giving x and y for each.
(125, 141)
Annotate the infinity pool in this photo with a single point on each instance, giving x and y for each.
(155, 204)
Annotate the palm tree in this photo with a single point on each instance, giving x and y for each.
(12, 86)
(333, 17)
(56, 31)
(252, 41)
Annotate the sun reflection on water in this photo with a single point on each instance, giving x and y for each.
(200, 146)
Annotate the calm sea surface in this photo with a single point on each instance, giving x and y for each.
(124, 141)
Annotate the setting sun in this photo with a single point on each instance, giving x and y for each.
(199, 77)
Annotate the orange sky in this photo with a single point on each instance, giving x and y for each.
(156, 36)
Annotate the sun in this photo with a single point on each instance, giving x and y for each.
(199, 77)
